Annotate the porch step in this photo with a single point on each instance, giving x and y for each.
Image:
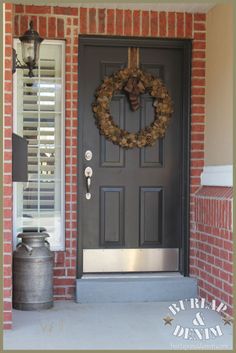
(134, 288)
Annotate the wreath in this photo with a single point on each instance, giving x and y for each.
(134, 81)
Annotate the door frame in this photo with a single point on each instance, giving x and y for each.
(181, 44)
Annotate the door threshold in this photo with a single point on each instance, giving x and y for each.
(131, 275)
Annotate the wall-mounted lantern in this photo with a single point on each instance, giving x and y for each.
(30, 43)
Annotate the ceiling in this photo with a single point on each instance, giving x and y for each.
(178, 7)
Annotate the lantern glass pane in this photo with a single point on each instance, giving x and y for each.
(30, 52)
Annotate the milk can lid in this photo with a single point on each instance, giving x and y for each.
(31, 235)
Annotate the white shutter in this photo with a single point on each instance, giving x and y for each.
(39, 103)
(40, 118)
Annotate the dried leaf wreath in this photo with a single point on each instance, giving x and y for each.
(162, 104)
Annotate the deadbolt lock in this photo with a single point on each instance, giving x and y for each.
(88, 155)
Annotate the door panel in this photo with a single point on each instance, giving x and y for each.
(137, 194)
(112, 217)
(151, 216)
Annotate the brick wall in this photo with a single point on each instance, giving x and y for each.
(67, 23)
(212, 255)
(7, 169)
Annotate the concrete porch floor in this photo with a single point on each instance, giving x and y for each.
(110, 326)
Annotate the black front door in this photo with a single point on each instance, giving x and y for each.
(136, 218)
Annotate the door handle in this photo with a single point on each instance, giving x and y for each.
(88, 174)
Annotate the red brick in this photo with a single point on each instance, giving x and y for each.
(7, 259)
(8, 77)
(223, 254)
(228, 245)
(19, 8)
(198, 91)
(199, 44)
(198, 64)
(7, 282)
(58, 272)
(198, 73)
(7, 306)
(180, 24)
(228, 267)
(42, 26)
(197, 137)
(171, 24)
(8, 38)
(92, 20)
(198, 110)
(70, 292)
(7, 247)
(145, 23)
(63, 281)
(127, 22)
(7, 316)
(8, 6)
(24, 24)
(154, 23)
(162, 24)
(7, 156)
(69, 11)
(8, 16)
(218, 283)
(188, 25)
(119, 22)
(196, 172)
(136, 23)
(52, 27)
(7, 270)
(101, 20)
(75, 21)
(197, 163)
(198, 82)
(60, 27)
(197, 54)
(83, 20)
(198, 100)
(31, 9)
(199, 17)
(8, 51)
(199, 26)
(195, 181)
(200, 35)
(59, 291)
(197, 154)
(110, 21)
(60, 257)
(228, 288)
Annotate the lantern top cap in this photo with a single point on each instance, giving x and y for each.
(31, 34)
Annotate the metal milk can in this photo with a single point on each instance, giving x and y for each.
(32, 272)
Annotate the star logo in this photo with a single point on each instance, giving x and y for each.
(168, 320)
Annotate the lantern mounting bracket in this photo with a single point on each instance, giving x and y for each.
(16, 64)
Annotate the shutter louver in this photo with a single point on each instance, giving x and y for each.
(39, 115)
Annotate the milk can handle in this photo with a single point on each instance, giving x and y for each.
(27, 247)
(47, 243)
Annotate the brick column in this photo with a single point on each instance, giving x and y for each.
(7, 176)
(213, 255)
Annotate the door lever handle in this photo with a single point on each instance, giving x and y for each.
(88, 174)
(88, 184)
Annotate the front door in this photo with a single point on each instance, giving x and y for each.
(136, 218)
